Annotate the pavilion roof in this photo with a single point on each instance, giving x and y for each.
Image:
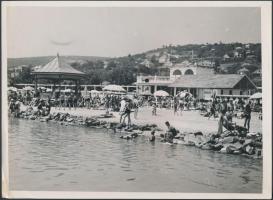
(58, 67)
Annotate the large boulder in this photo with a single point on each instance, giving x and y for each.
(249, 150)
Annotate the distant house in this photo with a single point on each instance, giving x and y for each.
(14, 72)
(226, 57)
(251, 56)
(246, 64)
(257, 73)
(238, 48)
(146, 63)
(105, 64)
(164, 58)
(36, 67)
(243, 71)
(149, 55)
(21, 68)
(237, 54)
(248, 52)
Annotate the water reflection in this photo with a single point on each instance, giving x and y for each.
(50, 156)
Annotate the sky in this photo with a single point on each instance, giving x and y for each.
(114, 32)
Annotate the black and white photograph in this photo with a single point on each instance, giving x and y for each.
(136, 99)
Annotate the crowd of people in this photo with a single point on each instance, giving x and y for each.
(221, 108)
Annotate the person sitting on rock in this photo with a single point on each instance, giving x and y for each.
(152, 137)
(171, 132)
(47, 108)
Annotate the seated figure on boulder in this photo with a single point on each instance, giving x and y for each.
(170, 134)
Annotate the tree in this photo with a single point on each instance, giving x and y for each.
(111, 65)
(24, 76)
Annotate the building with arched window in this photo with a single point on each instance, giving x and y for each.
(202, 82)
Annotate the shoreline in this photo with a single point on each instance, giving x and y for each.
(236, 142)
(190, 121)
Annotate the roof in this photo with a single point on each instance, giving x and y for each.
(58, 66)
(258, 71)
(220, 81)
(243, 70)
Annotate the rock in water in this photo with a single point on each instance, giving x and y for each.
(217, 147)
(230, 149)
(227, 140)
(249, 150)
(197, 133)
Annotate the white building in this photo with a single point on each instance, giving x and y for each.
(202, 82)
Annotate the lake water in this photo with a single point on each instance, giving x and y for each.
(50, 156)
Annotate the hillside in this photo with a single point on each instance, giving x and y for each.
(34, 61)
(224, 58)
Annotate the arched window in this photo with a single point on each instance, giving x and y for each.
(177, 72)
(189, 72)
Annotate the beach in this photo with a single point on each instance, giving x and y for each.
(189, 121)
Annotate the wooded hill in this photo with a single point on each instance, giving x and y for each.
(228, 58)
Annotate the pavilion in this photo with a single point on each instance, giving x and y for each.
(58, 70)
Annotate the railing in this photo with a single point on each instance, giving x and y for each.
(153, 79)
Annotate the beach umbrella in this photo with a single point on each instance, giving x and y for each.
(114, 88)
(29, 88)
(257, 95)
(68, 90)
(42, 88)
(14, 89)
(161, 93)
(183, 94)
(94, 91)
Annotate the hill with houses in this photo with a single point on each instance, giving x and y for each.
(223, 58)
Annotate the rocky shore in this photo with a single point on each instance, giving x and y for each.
(232, 142)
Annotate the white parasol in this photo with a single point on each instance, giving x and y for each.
(161, 93)
(28, 88)
(14, 89)
(42, 88)
(257, 95)
(183, 94)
